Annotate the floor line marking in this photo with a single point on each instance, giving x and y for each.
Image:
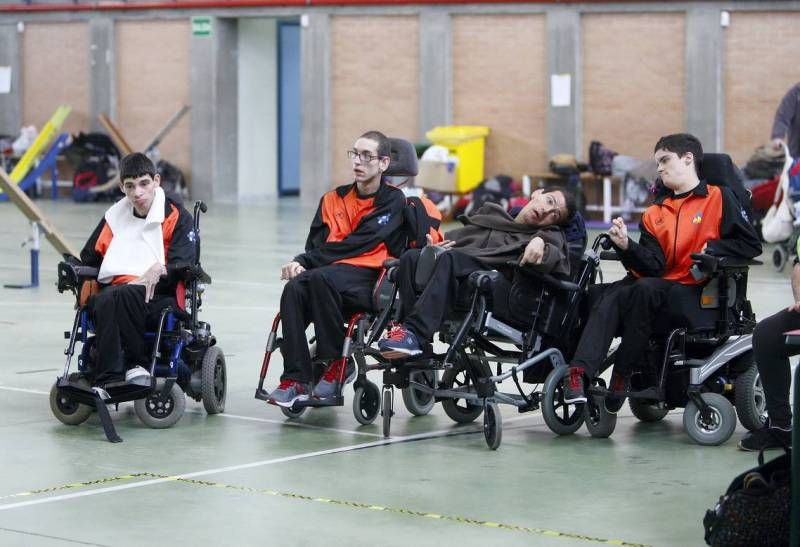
(51, 537)
(286, 423)
(250, 465)
(342, 503)
(23, 390)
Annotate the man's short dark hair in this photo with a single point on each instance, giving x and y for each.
(681, 143)
(136, 165)
(384, 146)
(569, 201)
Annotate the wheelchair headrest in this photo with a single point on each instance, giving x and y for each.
(403, 159)
(719, 170)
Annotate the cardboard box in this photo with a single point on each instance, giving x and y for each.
(437, 175)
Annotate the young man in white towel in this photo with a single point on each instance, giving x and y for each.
(134, 243)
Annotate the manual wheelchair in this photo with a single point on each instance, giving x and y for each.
(185, 358)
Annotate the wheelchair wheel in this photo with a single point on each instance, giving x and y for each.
(718, 428)
(418, 402)
(751, 406)
(65, 409)
(214, 379)
(779, 258)
(459, 410)
(292, 412)
(646, 411)
(159, 414)
(366, 403)
(387, 410)
(599, 422)
(562, 418)
(492, 425)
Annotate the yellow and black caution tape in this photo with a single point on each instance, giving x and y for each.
(341, 503)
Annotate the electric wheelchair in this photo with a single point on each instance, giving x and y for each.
(700, 356)
(364, 326)
(185, 358)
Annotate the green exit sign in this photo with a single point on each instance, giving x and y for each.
(201, 26)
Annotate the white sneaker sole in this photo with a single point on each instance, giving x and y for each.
(290, 403)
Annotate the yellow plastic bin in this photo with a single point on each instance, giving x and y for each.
(467, 143)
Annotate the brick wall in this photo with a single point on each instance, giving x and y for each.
(761, 53)
(153, 63)
(499, 82)
(633, 80)
(374, 83)
(55, 71)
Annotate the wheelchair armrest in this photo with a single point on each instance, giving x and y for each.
(391, 263)
(709, 264)
(609, 255)
(549, 280)
(71, 273)
(188, 271)
(483, 279)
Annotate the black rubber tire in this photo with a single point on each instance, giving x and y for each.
(161, 415)
(366, 403)
(386, 412)
(291, 412)
(66, 410)
(214, 380)
(417, 402)
(722, 426)
(560, 417)
(750, 403)
(779, 258)
(646, 411)
(599, 422)
(459, 410)
(492, 425)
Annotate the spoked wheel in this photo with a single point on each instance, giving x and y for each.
(214, 380)
(751, 405)
(562, 418)
(65, 409)
(647, 411)
(492, 425)
(160, 413)
(366, 403)
(386, 410)
(293, 412)
(714, 429)
(461, 411)
(418, 402)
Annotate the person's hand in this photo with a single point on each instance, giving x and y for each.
(794, 307)
(150, 279)
(534, 252)
(619, 233)
(777, 144)
(291, 270)
(445, 244)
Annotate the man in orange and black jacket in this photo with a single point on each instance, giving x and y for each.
(691, 216)
(133, 244)
(357, 226)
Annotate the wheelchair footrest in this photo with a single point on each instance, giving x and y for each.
(313, 402)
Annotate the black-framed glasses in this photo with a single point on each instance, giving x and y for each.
(364, 156)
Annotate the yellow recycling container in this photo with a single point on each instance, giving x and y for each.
(467, 143)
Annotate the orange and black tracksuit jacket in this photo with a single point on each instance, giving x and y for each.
(179, 245)
(676, 226)
(357, 230)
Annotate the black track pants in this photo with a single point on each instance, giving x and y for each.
(772, 359)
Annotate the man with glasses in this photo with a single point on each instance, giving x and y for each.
(357, 226)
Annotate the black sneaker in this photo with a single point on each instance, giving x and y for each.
(615, 399)
(766, 438)
(573, 386)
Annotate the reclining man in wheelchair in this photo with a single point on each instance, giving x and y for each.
(356, 228)
(690, 216)
(490, 239)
